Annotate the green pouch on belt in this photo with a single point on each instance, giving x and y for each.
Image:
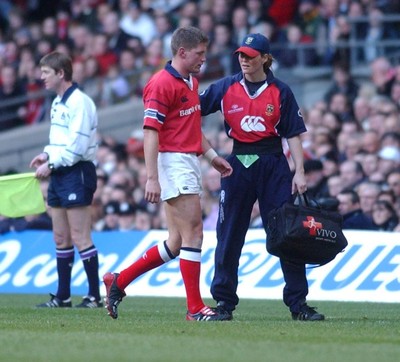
(247, 160)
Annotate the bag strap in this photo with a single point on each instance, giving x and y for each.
(301, 199)
(304, 200)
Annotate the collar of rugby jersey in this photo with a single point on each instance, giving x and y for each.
(170, 69)
(68, 92)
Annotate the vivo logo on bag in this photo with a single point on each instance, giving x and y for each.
(317, 229)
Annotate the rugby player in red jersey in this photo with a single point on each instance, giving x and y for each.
(173, 140)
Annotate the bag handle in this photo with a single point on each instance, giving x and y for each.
(304, 200)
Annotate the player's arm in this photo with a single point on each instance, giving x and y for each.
(219, 163)
(151, 142)
(296, 150)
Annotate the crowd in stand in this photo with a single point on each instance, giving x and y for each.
(352, 146)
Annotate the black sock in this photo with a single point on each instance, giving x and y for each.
(65, 262)
(90, 261)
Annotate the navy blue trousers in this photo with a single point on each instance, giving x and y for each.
(269, 180)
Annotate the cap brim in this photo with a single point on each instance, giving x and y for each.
(250, 52)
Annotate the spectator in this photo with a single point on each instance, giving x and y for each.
(341, 106)
(11, 93)
(117, 39)
(371, 141)
(153, 58)
(359, 28)
(361, 111)
(332, 122)
(84, 12)
(282, 12)
(382, 76)
(395, 93)
(189, 10)
(256, 12)
(317, 186)
(81, 38)
(49, 31)
(353, 216)
(116, 88)
(88, 78)
(389, 159)
(384, 216)
(164, 28)
(368, 193)
(387, 195)
(351, 174)
(44, 46)
(309, 18)
(291, 56)
(221, 11)
(143, 219)
(137, 23)
(109, 222)
(128, 69)
(126, 217)
(370, 165)
(240, 25)
(206, 24)
(343, 83)
(10, 54)
(104, 56)
(16, 22)
(376, 32)
(220, 58)
(330, 164)
(393, 181)
(35, 110)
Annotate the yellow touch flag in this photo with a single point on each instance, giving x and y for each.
(20, 195)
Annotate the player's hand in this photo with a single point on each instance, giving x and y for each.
(38, 160)
(222, 166)
(152, 191)
(43, 171)
(299, 183)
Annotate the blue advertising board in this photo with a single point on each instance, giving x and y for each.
(368, 270)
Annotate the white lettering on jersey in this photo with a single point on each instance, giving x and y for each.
(187, 112)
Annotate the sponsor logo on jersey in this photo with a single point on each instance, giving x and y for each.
(189, 111)
(234, 109)
(252, 124)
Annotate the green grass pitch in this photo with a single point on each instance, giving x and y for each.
(154, 329)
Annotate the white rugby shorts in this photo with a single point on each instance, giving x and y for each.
(179, 173)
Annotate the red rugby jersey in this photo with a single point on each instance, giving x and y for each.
(271, 112)
(173, 109)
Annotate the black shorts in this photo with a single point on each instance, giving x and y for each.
(73, 185)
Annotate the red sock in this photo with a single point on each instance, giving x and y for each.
(190, 271)
(151, 259)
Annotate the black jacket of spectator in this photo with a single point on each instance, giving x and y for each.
(40, 222)
(357, 220)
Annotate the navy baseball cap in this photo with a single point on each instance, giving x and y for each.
(253, 45)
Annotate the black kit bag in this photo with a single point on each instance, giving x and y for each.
(303, 233)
